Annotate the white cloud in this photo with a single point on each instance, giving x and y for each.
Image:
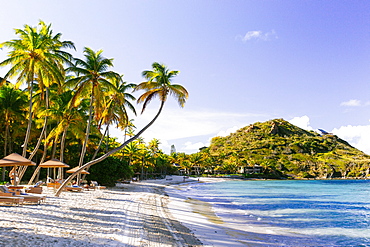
(302, 122)
(227, 132)
(358, 136)
(352, 102)
(259, 35)
(252, 35)
(194, 146)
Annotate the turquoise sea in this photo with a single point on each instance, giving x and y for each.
(293, 213)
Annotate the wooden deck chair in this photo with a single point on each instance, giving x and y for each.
(26, 197)
(12, 200)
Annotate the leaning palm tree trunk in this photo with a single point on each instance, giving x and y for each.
(73, 175)
(37, 170)
(100, 142)
(34, 175)
(96, 151)
(24, 168)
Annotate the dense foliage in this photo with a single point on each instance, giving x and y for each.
(68, 105)
(287, 150)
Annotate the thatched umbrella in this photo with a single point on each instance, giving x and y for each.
(73, 170)
(15, 160)
(54, 163)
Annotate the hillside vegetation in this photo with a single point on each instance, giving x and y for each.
(284, 150)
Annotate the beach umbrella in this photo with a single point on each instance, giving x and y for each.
(15, 160)
(54, 163)
(73, 170)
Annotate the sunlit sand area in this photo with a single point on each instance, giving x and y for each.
(133, 214)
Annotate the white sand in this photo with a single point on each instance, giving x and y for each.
(136, 214)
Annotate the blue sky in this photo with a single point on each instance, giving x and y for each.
(241, 61)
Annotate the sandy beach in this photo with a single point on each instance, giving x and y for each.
(135, 214)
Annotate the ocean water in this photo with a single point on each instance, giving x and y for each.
(292, 213)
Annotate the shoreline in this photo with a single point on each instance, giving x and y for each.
(135, 214)
(200, 217)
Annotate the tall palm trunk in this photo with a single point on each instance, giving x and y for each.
(29, 125)
(100, 142)
(37, 170)
(28, 132)
(83, 151)
(62, 143)
(96, 151)
(5, 148)
(103, 157)
(6, 139)
(43, 133)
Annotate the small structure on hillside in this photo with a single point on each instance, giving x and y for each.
(250, 169)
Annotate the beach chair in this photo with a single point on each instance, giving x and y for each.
(36, 189)
(54, 185)
(12, 200)
(95, 185)
(26, 197)
(73, 188)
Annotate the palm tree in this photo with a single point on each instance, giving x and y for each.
(36, 55)
(93, 79)
(13, 106)
(158, 84)
(115, 108)
(154, 145)
(131, 151)
(196, 160)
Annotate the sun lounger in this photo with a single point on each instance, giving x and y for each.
(54, 185)
(36, 189)
(95, 185)
(74, 188)
(13, 200)
(26, 197)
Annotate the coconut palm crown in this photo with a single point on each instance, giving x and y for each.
(159, 85)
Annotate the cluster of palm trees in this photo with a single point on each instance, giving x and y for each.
(203, 162)
(71, 101)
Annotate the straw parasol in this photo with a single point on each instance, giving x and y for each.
(73, 170)
(15, 160)
(54, 163)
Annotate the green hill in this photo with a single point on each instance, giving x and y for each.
(284, 150)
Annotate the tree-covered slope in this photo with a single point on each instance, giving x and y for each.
(284, 149)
